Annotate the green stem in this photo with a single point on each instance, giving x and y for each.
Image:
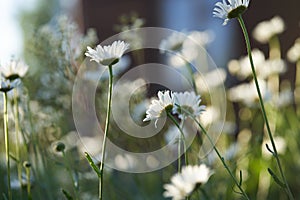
(5, 119)
(28, 183)
(19, 164)
(190, 70)
(106, 130)
(275, 154)
(274, 45)
(70, 174)
(219, 155)
(181, 139)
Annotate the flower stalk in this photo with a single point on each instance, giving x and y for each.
(237, 183)
(181, 139)
(106, 130)
(5, 121)
(19, 165)
(275, 153)
(27, 166)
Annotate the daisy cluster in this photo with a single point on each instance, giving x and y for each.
(181, 103)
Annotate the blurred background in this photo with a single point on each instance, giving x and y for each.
(29, 31)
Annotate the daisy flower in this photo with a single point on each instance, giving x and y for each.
(183, 184)
(158, 107)
(293, 54)
(229, 11)
(265, 30)
(108, 55)
(14, 69)
(173, 43)
(7, 85)
(188, 101)
(242, 68)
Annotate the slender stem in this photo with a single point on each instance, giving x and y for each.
(28, 183)
(275, 154)
(106, 129)
(274, 45)
(189, 67)
(219, 155)
(5, 119)
(19, 164)
(181, 138)
(70, 174)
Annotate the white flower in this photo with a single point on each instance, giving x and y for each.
(188, 101)
(173, 43)
(265, 30)
(158, 107)
(247, 93)
(182, 184)
(242, 67)
(7, 85)
(202, 38)
(271, 67)
(264, 68)
(93, 74)
(108, 55)
(294, 52)
(229, 11)
(14, 69)
(210, 80)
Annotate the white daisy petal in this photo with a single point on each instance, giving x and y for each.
(224, 9)
(107, 55)
(182, 184)
(158, 107)
(189, 101)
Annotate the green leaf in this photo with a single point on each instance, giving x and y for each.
(92, 164)
(4, 196)
(268, 148)
(276, 179)
(14, 158)
(67, 195)
(241, 178)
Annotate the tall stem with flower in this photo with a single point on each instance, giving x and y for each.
(274, 151)
(106, 128)
(6, 86)
(5, 121)
(181, 139)
(235, 9)
(237, 183)
(107, 56)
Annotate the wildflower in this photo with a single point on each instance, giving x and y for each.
(14, 69)
(242, 67)
(265, 30)
(210, 80)
(247, 94)
(229, 11)
(94, 73)
(202, 38)
(7, 85)
(173, 43)
(271, 67)
(188, 101)
(108, 55)
(183, 184)
(159, 107)
(294, 52)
